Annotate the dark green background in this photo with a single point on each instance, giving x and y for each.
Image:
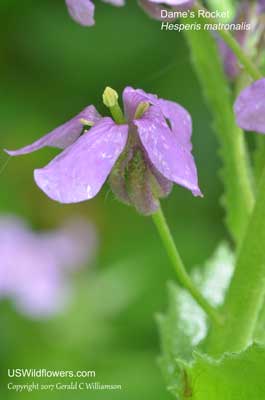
(50, 69)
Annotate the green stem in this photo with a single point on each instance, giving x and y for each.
(184, 279)
(246, 293)
(117, 114)
(249, 66)
(238, 199)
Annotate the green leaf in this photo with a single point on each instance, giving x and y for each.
(184, 326)
(233, 377)
(245, 297)
(238, 199)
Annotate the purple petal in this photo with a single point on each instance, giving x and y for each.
(82, 11)
(166, 151)
(178, 118)
(250, 107)
(153, 10)
(73, 245)
(131, 99)
(42, 293)
(35, 267)
(63, 136)
(231, 65)
(261, 6)
(78, 173)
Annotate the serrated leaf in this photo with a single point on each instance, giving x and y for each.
(234, 377)
(238, 198)
(184, 326)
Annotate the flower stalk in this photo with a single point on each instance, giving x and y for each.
(183, 277)
(246, 293)
(238, 198)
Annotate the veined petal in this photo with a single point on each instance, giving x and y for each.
(79, 172)
(82, 11)
(250, 107)
(166, 151)
(63, 136)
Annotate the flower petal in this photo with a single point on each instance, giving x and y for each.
(82, 11)
(231, 66)
(250, 107)
(261, 6)
(63, 136)
(178, 118)
(78, 173)
(166, 151)
(154, 7)
(131, 99)
(73, 245)
(153, 10)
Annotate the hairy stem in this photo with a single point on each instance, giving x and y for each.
(183, 277)
(246, 293)
(238, 199)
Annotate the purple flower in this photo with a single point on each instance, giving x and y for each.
(82, 11)
(231, 65)
(154, 7)
(250, 107)
(261, 6)
(142, 156)
(35, 267)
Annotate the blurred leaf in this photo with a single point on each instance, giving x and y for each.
(238, 199)
(184, 326)
(234, 377)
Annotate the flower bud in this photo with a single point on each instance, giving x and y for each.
(110, 97)
(135, 181)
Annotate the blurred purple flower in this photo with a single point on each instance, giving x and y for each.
(153, 7)
(231, 65)
(250, 107)
(143, 156)
(35, 267)
(261, 5)
(82, 11)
